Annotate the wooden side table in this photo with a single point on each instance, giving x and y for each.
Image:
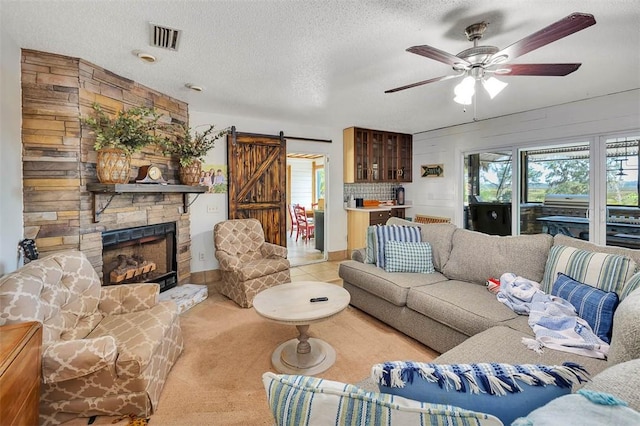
(20, 366)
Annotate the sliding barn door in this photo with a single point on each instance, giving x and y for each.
(257, 182)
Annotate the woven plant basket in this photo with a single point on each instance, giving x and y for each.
(113, 166)
(190, 175)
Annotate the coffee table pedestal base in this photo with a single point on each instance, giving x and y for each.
(286, 358)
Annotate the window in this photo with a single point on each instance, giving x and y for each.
(565, 170)
(557, 170)
(622, 171)
(488, 177)
(319, 182)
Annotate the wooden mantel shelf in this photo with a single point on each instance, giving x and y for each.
(140, 188)
(120, 188)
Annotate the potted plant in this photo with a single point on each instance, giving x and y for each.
(119, 136)
(190, 146)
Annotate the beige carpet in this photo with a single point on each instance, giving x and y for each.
(218, 378)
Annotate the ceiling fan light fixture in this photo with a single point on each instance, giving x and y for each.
(465, 90)
(463, 100)
(493, 86)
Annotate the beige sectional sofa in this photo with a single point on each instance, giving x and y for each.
(452, 312)
(105, 350)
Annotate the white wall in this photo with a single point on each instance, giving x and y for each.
(301, 182)
(443, 196)
(202, 221)
(10, 154)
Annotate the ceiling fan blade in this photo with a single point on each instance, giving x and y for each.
(564, 27)
(537, 69)
(420, 83)
(439, 55)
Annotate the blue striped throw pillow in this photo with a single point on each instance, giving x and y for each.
(308, 401)
(608, 272)
(593, 305)
(386, 233)
(506, 391)
(408, 257)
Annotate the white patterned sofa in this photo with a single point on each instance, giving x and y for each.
(106, 350)
(452, 312)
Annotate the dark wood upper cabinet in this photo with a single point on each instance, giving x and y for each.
(372, 156)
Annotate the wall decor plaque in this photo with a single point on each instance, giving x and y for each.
(432, 170)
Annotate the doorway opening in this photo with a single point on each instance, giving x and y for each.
(306, 189)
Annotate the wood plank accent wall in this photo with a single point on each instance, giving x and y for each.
(59, 159)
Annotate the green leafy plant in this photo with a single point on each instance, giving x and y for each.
(190, 145)
(129, 130)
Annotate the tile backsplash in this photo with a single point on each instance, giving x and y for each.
(371, 191)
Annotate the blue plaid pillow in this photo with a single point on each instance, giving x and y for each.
(408, 257)
(386, 233)
(593, 305)
(504, 390)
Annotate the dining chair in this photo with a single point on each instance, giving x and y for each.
(294, 222)
(305, 224)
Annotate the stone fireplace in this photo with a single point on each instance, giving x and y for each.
(140, 254)
(62, 208)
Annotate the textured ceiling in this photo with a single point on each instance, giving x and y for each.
(328, 63)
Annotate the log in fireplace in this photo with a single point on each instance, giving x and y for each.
(140, 254)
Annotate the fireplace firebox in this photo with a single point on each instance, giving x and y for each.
(140, 254)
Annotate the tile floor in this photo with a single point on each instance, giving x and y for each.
(322, 271)
(308, 264)
(302, 252)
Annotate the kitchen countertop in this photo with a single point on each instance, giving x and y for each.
(377, 208)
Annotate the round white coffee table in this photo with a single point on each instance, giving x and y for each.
(291, 304)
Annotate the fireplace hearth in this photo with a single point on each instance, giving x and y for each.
(140, 254)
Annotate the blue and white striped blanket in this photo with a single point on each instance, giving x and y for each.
(554, 320)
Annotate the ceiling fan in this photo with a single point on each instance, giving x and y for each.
(480, 63)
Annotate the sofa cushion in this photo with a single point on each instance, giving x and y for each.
(371, 249)
(584, 408)
(504, 344)
(593, 305)
(476, 256)
(621, 380)
(303, 400)
(392, 287)
(625, 344)
(564, 240)
(608, 272)
(386, 233)
(408, 257)
(631, 284)
(439, 235)
(465, 307)
(506, 391)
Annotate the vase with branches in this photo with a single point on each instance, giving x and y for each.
(190, 147)
(119, 136)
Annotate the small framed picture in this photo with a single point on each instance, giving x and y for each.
(432, 170)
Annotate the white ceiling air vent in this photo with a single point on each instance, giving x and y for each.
(164, 37)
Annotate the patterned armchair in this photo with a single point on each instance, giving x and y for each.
(248, 263)
(106, 350)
